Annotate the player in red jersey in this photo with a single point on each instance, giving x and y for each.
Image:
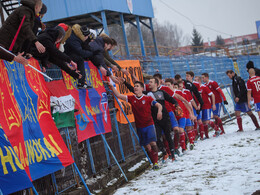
(219, 95)
(196, 104)
(187, 112)
(253, 89)
(141, 106)
(179, 114)
(206, 94)
(188, 126)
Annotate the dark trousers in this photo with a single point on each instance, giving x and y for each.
(81, 67)
(164, 125)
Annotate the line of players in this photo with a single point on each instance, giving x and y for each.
(178, 106)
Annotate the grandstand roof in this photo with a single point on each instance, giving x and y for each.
(88, 11)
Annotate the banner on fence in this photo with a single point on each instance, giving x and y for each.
(92, 117)
(62, 103)
(26, 120)
(13, 177)
(135, 64)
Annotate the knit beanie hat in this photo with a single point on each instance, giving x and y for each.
(85, 30)
(44, 9)
(250, 64)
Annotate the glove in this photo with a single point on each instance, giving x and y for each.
(225, 102)
(198, 112)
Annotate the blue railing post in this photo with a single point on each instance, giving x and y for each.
(92, 164)
(105, 141)
(53, 178)
(84, 183)
(71, 152)
(107, 154)
(34, 190)
(118, 136)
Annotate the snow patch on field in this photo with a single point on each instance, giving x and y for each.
(229, 164)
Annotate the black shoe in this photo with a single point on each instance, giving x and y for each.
(177, 152)
(257, 129)
(84, 86)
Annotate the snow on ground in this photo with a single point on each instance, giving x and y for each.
(229, 164)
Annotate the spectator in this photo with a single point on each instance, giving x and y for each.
(49, 38)
(250, 64)
(240, 93)
(99, 46)
(29, 9)
(112, 63)
(37, 24)
(74, 47)
(68, 31)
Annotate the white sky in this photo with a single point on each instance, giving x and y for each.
(234, 17)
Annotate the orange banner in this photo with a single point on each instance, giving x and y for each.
(126, 64)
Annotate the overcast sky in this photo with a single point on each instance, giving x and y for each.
(233, 17)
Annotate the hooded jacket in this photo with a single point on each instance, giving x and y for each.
(10, 26)
(75, 43)
(239, 88)
(48, 39)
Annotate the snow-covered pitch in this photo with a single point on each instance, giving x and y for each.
(228, 164)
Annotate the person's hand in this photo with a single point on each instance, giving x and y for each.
(236, 99)
(214, 107)
(198, 107)
(121, 79)
(226, 102)
(125, 72)
(131, 70)
(43, 69)
(115, 68)
(108, 83)
(159, 115)
(74, 65)
(249, 105)
(103, 71)
(198, 112)
(40, 47)
(78, 72)
(114, 79)
(20, 59)
(43, 26)
(192, 117)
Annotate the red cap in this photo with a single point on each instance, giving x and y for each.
(64, 26)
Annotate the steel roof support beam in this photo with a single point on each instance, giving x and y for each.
(124, 34)
(104, 22)
(140, 35)
(96, 18)
(154, 38)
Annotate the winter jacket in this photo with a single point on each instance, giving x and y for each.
(11, 25)
(4, 55)
(48, 39)
(98, 59)
(110, 62)
(75, 44)
(239, 88)
(194, 91)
